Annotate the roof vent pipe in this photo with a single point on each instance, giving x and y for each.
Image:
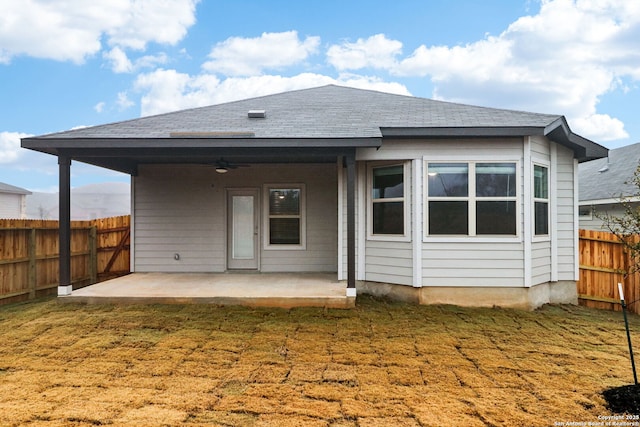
(605, 167)
(257, 114)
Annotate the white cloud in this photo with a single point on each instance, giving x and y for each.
(169, 90)
(123, 101)
(10, 149)
(150, 61)
(600, 127)
(371, 83)
(376, 51)
(562, 60)
(164, 90)
(120, 63)
(71, 30)
(147, 21)
(238, 56)
(99, 107)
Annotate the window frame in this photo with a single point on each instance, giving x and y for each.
(266, 215)
(588, 216)
(547, 236)
(405, 236)
(472, 199)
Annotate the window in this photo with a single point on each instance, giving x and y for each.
(388, 200)
(471, 199)
(541, 200)
(285, 216)
(585, 212)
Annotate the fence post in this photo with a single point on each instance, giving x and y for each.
(93, 255)
(32, 276)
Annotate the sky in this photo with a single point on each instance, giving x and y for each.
(71, 63)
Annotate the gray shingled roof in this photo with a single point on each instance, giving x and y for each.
(11, 189)
(323, 112)
(326, 119)
(607, 178)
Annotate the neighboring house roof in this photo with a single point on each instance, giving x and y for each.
(11, 189)
(606, 180)
(324, 117)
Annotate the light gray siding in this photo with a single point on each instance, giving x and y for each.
(478, 261)
(321, 219)
(473, 264)
(182, 209)
(592, 222)
(566, 220)
(459, 261)
(443, 148)
(385, 260)
(389, 262)
(540, 262)
(12, 206)
(178, 210)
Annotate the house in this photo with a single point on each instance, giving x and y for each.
(13, 201)
(88, 202)
(412, 198)
(603, 182)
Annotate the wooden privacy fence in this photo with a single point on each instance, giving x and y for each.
(29, 255)
(604, 263)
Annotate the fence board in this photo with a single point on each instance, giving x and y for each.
(29, 254)
(604, 263)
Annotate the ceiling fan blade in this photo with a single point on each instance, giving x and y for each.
(222, 163)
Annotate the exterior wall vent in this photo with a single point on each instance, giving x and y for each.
(257, 114)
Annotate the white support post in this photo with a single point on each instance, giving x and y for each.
(576, 223)
(553, 208)
(340, 219)
(416, 219)
(64, 291)
(527, 232)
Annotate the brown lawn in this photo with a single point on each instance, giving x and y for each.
(380, 364)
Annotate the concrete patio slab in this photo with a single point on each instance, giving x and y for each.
(285, 290)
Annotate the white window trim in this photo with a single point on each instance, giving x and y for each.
(405, 237)
(482, 238)
(303, 217)
(540, 237)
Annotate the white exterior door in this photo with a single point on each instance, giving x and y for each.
(242, 229)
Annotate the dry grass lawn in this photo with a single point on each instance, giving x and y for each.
(380, 364)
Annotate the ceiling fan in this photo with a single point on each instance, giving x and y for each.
(223, 166)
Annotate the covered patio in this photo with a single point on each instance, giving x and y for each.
(285, 290)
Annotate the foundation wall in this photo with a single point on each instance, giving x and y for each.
(563, 292)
